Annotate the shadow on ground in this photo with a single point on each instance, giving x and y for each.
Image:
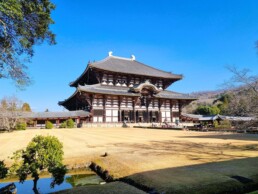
(234, 176)
(204, 152)
(226, 136)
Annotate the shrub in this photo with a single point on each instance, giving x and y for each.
(207, 110)
(21, 126)
(70, 123)
(30, 123)
(63, 125)
(215, 123)
(41, 154)
(225, 124)
(49, 125)
(3, 170)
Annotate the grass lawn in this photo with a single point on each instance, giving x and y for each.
(169, 161)
(110, 188)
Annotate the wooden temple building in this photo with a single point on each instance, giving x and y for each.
(118, 89)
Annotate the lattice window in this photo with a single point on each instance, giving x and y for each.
(165, 115)
(110, 78)
(155, 103)
(111, 115)
(98, 101)
(98, 112)
(97, 119)
(137, 80)
(175, 106)
(114, 101)
(167, 104)
(104, 77)
(160, 83)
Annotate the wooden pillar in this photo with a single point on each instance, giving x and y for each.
(148, 100)
(163, 84)
(114, 79)
(134, 112)
(46, 121)
(128, 80)
(91, 102)
(104, 108)
(35, 123)
(119, 109)
(141, 80)
(160, 116)
(180, 109)
(100, 77)
(171, 110)
(161, 101)
(57, 122)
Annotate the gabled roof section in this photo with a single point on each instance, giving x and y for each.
(73, 83)
(139, 87)
(126, 66)
(174, 95)
(131, 66)
(111, 90)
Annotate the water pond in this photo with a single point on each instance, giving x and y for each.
(71, 180)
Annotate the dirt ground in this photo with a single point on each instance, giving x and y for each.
(149, 153)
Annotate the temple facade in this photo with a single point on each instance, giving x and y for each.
(118, 89)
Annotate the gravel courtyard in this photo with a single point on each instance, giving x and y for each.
(82, 144)
(150, 154)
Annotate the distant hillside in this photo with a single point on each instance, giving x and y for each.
(204, 98)
(212, 98)
(208, 94)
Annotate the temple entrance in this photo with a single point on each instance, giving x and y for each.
(127, 115)
(152, 116)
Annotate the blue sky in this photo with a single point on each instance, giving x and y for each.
(194, 38)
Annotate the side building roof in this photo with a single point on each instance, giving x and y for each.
(128, 66)
(214, 117)
(45, 115)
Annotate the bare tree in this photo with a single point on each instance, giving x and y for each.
(9, 113)
(244, 93)
(242, 80)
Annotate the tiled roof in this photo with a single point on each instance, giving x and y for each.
(214, 117)
(124, 91)
(234, 118)
(44, 115)
(112, 90)
(130, 66)
(201, 117)
(174, 95)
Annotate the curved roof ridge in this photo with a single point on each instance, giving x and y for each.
(127, 66)
(131, 66)
(85, 70)
(112, 56)
(157, 68)
(61, 102)
(100, 61)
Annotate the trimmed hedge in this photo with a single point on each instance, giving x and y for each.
(63, 125)
(70, 123)
(21, 126)
(49, 125)
(67, 124)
